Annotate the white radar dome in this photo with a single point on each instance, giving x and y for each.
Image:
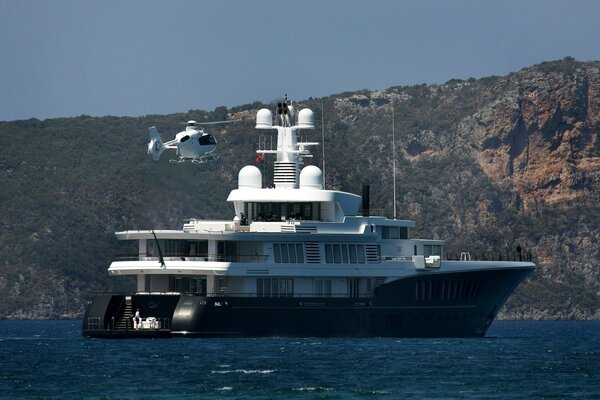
(250, 177)
(264, 119)
(306, 119)
(311, 177)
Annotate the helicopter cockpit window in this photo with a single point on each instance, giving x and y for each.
(206, 140)
(183, 139)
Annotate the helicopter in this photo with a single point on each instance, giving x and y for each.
(192, 144)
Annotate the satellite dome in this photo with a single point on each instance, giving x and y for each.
(306, 119)
(250, 177)
(264, 119)
(311, 177)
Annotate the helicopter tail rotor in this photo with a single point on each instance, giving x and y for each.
(156, 146)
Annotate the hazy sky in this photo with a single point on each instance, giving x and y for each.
(70, 57)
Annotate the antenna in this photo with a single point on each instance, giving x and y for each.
(394, 155)
(160, 256)
(323, 137)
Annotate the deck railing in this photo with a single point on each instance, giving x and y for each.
(519, 254)
(256, 258)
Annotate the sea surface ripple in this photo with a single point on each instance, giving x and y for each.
(517, 360)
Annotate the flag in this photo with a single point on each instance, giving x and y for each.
(259, 158)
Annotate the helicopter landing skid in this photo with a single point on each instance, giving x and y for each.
(200, 160)
(205, 158)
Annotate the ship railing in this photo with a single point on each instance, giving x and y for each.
(520, 254)
(149, 323)
(289, 295)
(375, 212)
(96, 324)
(250, 258)
(234, 294)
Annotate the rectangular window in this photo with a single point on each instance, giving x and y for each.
(274, 287)
(352, 251)
(337, 254)
(329, 253)
(322, 287)
(288, 252)
(277, 252)
(360, 252)
(345, 254)
(394, 232)
(284, 253)
(292, 252)
(403, 232)
(299, 253)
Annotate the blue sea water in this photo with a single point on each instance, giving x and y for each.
(517, 360)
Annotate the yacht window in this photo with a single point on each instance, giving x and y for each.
(288, 252)
(337, 254)
(300, 252)
(403, 232)
(279, 211)
(329, 253)
(284, 254)
(292, 253)
(189, 284)
(227, 250)
(432, 250)
(274, 287)
(394, 232)
(344, 253)
(277, 252)
(322, 287)
(352, 251)
(360, 251)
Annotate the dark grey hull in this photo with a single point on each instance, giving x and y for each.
(461, 304)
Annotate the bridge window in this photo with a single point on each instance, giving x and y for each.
(394, 232)
(280, 211)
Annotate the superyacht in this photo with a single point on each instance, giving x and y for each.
(299, 260)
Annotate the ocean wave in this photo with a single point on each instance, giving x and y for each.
(312, 389)
(245, 371)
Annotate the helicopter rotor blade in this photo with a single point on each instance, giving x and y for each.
(217, 122)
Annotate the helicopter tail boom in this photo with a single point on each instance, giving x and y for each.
(156, 146)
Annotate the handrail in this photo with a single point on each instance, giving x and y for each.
(241, 294)
(196, 257)
(492, 255)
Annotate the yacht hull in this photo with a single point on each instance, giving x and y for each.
(457, 304)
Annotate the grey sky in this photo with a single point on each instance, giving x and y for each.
(71, 57)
